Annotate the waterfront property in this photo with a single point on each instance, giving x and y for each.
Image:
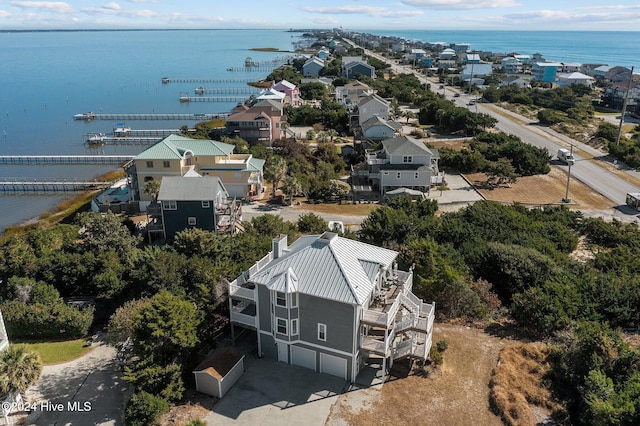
(193, 201)
(332, 305)
(545, 72)
(354, 65)
(176, 155)
(312, 67)
(260, 123)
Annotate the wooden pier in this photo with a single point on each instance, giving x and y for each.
(149, 132)
(247, 90)
(167, 80)
(126, 116)
(260, 68)
(94, 140)
(23, 160)
(40, 185)
(187, 98)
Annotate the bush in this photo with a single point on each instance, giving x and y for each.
(442, 345)
(46, 321)
(143, 409)
(435, 356)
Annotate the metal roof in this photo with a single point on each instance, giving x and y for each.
(175, 147)
(329, 267)
(180, 188)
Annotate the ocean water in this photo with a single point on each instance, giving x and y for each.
(586, 47)
(47, 77)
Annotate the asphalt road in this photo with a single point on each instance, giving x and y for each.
(586, 169)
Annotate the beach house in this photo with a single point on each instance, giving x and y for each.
(333, 305)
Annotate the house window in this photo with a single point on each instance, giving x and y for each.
(294, 327)
(150, 164)
(322, 332)
(281, 299)
(170, 205)
(407, 159)
(191, 220)
(281, 325)
(206, 204)
(166, 164)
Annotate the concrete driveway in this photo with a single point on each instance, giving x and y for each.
(274, 393)
(86, 391)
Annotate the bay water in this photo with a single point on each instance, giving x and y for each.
(48, 76)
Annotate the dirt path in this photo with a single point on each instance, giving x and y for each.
(457, 394)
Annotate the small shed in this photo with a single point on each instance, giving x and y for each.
(219, 372)
(633, 200)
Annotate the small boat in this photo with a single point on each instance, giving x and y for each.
(96, 138)
(185, 98)
(84, 116)
(199, 90)
(165, 80)
(121, 131)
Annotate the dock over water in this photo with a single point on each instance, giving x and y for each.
(22, 160)
(49, 185)
(187, 98)
(127, 116)
(167, 80)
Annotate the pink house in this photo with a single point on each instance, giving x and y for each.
(291, 91)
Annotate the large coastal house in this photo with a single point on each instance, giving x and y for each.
(260, 123)
(332, 305)
(312, 67)
(352, 66)
(546, 72)
(351, 93)
(376, 129)
(368, 107)
(291, 92)
(176, 155)
(193, 201)
(403, 162)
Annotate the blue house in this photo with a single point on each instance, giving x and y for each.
(546, 72)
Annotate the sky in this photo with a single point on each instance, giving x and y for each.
(354, 15)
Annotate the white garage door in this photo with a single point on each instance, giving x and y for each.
(303, 357)
(333, 365)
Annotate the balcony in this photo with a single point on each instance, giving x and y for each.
(244, 313)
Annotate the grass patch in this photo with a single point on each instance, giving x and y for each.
(519, 385)
(58, 352)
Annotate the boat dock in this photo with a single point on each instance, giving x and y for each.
(40, 185)
(145, 132)
(167, 80)
(97, 139)
(261, 68)
(187, 98)
(127, 116)
(247, 90)
(23, 160)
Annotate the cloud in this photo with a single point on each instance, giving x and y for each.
(51, 6)
(114, 9)
(572, 17)
(142, 1)
(373, 11)
(4, 14)
(112, 6)
(460, 4)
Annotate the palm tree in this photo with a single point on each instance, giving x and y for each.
(274, 171)
(152, 188)
(19, 369)
(291, 186)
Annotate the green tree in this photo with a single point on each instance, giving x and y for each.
(122, 322)
(143, 409)
(163, 381)
(274, 171)
(165, 329)
(311, 223)
(103, 233)
(291, 187)
(19, 369)
(152, 188)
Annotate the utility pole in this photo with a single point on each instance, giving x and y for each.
(566, 198)
(624, 107)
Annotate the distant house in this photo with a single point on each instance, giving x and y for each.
(617, 74)
(570, 67)
(546, 72)
(475, 71)
(323, 53)
(472, 58)
(601, 71)
(350, 94)
(312, 67)
(376, 128)
(175, 155)
(356, 65)
(614, 95)
(290, 90)
(515, 81)
(403, 162)
(197, 202)
(333, 305)
(447, 54)
(575, 78)
(271, 94)
(370, 106)
(511, 65)
(261, 123)
(525, 59)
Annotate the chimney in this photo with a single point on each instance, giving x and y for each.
(279, 245)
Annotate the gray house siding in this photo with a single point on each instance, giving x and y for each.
(178, 220)
(407, 178)
(265, 308)
(268, 345)
(338, 317)
(379, 132)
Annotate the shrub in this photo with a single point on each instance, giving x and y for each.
(435, 356)
(143, 409)
(442, 345)
(46, 321)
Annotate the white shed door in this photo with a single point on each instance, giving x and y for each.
(303, 357)
(333, 365)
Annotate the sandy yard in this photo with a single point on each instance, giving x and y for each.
(543, 189)
(457, 393)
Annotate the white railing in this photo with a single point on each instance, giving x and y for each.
(265, 260)
(372, 345)
(244, 319)
(412, 299)
(373, 317)
(404, 323)
(243, 292)
(403, 349)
